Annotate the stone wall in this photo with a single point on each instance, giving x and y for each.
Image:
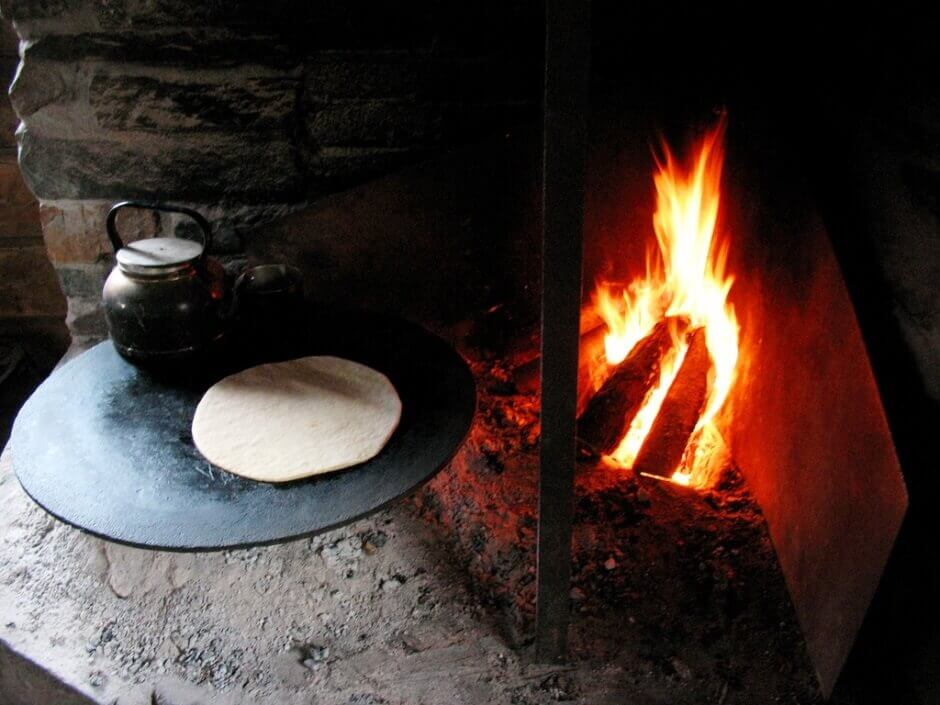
(247, 110)
(28, 286)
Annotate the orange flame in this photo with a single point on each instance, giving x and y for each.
(688, 278)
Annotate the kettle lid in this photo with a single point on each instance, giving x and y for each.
(159, 253)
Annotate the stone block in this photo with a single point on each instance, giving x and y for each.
(82, 280)
(85, 318)
(36, 9)
(74, 231)
(184, 13)
(194, 47)
(40, 83)
(359, 74)
(181, 103)
(146, 166)
(336, 168)
(381, 123)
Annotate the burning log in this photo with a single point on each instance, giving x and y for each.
(662, 450)
(591, 350)
(526, 375)
(608, 414)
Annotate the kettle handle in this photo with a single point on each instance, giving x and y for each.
(117, 243)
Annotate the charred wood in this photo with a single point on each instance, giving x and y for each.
(526, 376)
(609, 412)
(662, 450)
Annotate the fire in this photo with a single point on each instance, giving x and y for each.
(686, 276)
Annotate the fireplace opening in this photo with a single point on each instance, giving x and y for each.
(717, 540)
(670, 336)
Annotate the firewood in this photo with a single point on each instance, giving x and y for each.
(662, 450)
(591, 353)
(526, 376)
(608, 414)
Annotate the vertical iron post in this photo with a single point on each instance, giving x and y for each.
(567, 53)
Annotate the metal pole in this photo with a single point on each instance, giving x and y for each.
(567, 53)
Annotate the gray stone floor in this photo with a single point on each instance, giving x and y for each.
(367, 614)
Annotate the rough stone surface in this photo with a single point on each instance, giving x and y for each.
(190, 47)
(359, 74)
(147, 103)
(348, 166)
(40, 83)
(371, 613)
(85, 318)
(380, 123)
(250, 105)
(28, 286)
(156, 167)
(74, 231)
(83, 281)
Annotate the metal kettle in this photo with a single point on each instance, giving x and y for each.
(165, 299)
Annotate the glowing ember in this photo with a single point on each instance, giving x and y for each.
(686, 277)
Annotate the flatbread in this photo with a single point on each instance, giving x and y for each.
(288, 420)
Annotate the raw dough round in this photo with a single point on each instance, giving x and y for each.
(288, 420)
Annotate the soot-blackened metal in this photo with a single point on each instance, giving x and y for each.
(107, 447)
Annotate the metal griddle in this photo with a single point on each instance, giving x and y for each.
(107, 447)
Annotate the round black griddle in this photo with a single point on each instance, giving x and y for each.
(107, 447)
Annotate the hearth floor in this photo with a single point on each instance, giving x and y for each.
(371, 613)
